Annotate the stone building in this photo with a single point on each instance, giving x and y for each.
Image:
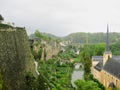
(106, 68)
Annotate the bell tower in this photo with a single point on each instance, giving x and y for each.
(107, 54)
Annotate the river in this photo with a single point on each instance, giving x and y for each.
(77, 74)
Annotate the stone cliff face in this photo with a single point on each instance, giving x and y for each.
(51, 50)
(15, 58)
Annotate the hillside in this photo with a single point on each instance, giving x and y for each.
(48, 35)
(46, 45)
(92, 37)
(80, 37)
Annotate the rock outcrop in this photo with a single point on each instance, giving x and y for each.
(51, 50)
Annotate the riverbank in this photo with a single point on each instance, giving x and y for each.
(77, 74)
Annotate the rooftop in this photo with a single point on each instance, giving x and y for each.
(99, 66)
(113, 67)
(97, 58)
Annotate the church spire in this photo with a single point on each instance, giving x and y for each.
(107, 42)
(107, 53)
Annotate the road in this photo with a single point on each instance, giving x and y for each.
(36, 68)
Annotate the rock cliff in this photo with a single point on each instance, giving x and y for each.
(51, 49)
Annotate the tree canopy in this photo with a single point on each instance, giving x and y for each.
(115, 48)
(93, 38)
(1, 18)
(1, 82)
(86, 85)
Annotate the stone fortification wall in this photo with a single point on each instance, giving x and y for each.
(15, 58)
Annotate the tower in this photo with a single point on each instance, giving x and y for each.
(107, 53)
(107, 41)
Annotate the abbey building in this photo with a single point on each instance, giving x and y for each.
(106, 68)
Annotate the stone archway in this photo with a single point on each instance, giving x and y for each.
(112, 85)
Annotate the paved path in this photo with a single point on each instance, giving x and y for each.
(36, 66)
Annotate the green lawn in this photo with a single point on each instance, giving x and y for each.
(76, 60)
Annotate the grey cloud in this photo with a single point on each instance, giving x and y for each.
(61, 17)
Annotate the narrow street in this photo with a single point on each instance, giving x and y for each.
(36, 66)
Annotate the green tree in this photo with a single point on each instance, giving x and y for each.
(86, 85)
(1, 18)
(38, 34)
(35, 54)
(115, 48)
(31, 81)
(43, 83)
(40, 53)
(85, 58)
(1, 82)
(99, 49)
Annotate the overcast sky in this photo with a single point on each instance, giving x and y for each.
(62, 17)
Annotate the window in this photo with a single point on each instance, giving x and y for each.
(116, 82)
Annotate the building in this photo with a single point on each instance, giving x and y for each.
(106, 68)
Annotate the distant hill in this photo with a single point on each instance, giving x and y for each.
(45, 34)
(51, 35)
(92, 37)
(80, 37)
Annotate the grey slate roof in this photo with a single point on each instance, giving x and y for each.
(113, 66)
(97, 58)
(99, 66)
(117, 58)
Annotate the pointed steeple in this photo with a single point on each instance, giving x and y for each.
(107, 54)
(107, 42)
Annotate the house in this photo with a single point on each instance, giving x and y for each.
(106, 68)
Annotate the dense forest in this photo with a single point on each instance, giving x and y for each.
(80, 37)
(93, 38)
